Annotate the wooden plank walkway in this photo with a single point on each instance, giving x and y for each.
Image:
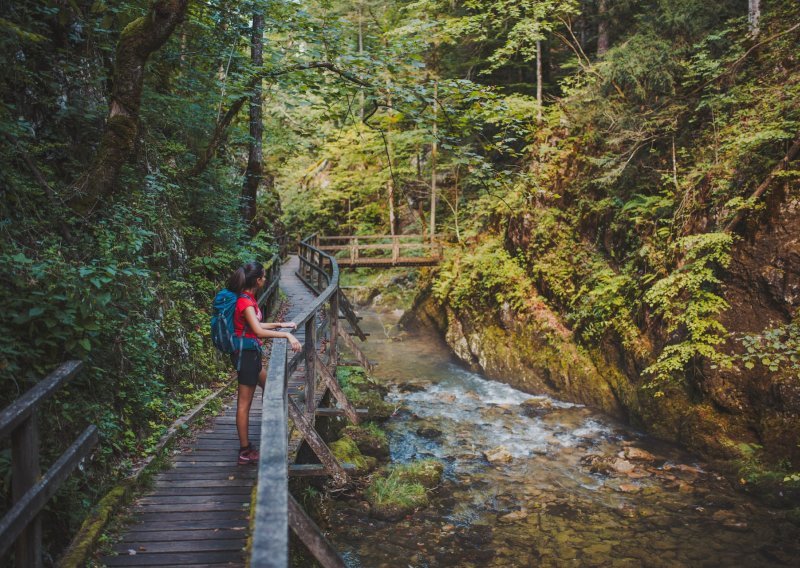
(198, 511)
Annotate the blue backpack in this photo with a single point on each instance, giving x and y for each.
(222, 331)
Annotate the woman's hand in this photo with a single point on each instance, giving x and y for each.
(293, 343)
(289, 324)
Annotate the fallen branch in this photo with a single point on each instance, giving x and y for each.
(756, 46)
(783, 164)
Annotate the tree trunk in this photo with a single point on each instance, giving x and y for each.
(137, 41)
(255, 159)
(433, 160)
(754, 15)
(539, 80)
(602, 27)
(390, 182)
(360, 52)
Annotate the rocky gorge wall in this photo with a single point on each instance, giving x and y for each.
(724, 414)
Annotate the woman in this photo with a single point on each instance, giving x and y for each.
(247, 320)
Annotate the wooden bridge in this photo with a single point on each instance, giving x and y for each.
(381, 250)
(199, 512)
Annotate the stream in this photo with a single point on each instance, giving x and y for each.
(567, 486)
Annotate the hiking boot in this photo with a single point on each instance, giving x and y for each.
(248, 455)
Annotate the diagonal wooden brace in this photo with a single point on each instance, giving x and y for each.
(317, 444)
(336, 389)
(312, 537)
(353, 347)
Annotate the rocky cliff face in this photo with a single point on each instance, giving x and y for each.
(722, 410)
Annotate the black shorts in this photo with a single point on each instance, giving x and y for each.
(250, 367)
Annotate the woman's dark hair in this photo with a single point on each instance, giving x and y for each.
(245, 277)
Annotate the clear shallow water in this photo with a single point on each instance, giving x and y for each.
(578, 489)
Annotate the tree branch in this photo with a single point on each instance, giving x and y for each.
(222, 125)
(314, 65)
(794, 150)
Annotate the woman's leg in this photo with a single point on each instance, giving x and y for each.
(243, 402)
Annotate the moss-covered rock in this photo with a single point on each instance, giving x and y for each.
(370, 439)
(346, 451)
(363, 392)
(427, 473)
(392, 498)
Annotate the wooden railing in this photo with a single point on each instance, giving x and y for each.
(378, 250)
(29, 490)
(275, 510)
(268, 298)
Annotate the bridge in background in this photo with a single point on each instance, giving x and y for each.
(380, 250)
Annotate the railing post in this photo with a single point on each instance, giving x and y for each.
(395, 248)
(25, 474)
(311, 362)
(355, 249)
(319, 273)
(333, 354)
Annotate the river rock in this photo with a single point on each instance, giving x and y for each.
(535, 407)
(514, 516)
(429, 432)
(499, 454)
(637, 454)
(411, 387)
(729, 520)
(629, 488)
(622, 466)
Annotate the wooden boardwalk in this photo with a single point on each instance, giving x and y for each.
(198, 511)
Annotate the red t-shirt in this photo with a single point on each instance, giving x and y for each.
(239, 323)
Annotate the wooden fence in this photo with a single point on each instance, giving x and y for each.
(30, 491)
(275, 510)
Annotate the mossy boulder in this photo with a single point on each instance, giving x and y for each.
(363, 392)
(370, 439)
(391, 498)
(346, 451)
(427, 473)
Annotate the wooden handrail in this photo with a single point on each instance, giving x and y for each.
(22, 408)
(29, 493)
(346, 237)
(270, 548)
(275, 510)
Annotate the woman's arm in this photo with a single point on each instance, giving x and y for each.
(276, 325)
(259, 331)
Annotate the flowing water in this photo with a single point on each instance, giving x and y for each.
(572, 488)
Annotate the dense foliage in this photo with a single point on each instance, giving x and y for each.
(125, 288)
(621, 198)
(594, 157)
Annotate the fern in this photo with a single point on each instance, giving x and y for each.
(688, 302)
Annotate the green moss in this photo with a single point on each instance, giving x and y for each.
(392, 498)
(92, 528)
(427, 473)
(363, 392)
(346, 451)
(370, 439)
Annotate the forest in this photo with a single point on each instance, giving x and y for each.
(614, 180)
